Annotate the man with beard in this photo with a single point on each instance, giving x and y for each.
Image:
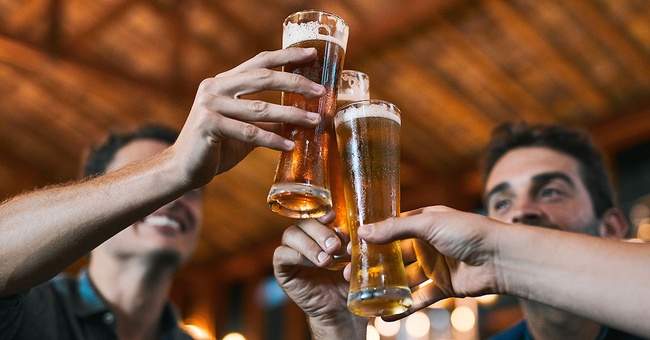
(139, 214)
(547, 194)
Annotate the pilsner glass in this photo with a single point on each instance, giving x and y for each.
(368, 136)
(301, 185)
(354, 86)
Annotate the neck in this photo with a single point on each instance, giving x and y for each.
(545, 322)
(135, 290)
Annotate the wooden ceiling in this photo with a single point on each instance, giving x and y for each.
(71, 70)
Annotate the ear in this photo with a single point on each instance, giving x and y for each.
(613, 224)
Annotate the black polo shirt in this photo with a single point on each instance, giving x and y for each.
(68, 308)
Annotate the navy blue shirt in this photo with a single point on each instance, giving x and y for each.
(68, 308)
(521, 332)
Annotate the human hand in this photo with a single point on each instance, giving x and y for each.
(299, 267)
(454, 249)
(222, 129)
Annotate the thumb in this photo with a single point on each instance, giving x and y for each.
(396, 228)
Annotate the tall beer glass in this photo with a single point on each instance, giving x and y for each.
(354, 86)
(301, 185)
(368, 136)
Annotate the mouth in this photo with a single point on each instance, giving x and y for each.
(164, 224)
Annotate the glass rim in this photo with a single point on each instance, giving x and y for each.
(315, 11)
(299, 27)
(391, 108)
(349, 71)
(382, 102)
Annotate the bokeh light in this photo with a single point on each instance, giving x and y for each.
(234, 336)
(371, 333)
(197, 332)
(417, 325)
(463, 319)
(488, 299)
(387, 328)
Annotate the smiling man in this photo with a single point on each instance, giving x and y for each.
(129, 276)
(138, 214)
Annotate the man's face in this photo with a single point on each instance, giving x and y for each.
(542, 187)
(172, 230)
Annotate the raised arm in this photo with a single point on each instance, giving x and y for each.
(44, 231)
(601, 279)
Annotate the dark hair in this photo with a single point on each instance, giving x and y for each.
(101, 155)
(572, 142)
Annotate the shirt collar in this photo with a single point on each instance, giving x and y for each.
(89, 303)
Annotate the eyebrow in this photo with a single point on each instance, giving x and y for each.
(537, 179)
(497, 189)
(549, 176)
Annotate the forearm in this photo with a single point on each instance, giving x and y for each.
(44, 231)
(602, 279)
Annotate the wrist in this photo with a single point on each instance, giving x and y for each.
(349, 327)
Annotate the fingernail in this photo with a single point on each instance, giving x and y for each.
(318, 88)
(330, 242)
(365, 227)
(322, 256)
(313, 116)
(289, 144)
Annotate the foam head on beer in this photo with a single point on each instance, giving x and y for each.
(297, 32)
(350, 112)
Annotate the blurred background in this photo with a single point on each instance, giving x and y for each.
(72, 70)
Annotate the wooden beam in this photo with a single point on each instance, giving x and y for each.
(622, 131)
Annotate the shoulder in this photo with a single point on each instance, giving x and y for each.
(31, 309)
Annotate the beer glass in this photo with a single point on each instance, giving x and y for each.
(354, 85)
(301, 185)
(368, 137)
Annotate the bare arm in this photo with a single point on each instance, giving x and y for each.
(46, 230)
(43, 232)
(602, 279)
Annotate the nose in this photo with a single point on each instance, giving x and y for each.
(527, 213)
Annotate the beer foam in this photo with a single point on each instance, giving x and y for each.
(295, 33)
(372, 110)
(350, 97)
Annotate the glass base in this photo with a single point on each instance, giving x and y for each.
(297, 200)
(380, 301)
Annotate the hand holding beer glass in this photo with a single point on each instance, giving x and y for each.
(301, 185)
(368, 137)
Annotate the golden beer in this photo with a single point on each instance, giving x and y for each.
(301, 185)
(368, 136)
(354, 86)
